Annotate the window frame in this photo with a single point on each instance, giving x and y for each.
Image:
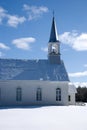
(39, 94)
(69, 98)
(58, 94)
(0, 94)
(18, 94)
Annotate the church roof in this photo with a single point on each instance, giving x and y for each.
(12, 69)
(53, 34)
(72, 88)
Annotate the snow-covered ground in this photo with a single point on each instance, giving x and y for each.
(44, 118)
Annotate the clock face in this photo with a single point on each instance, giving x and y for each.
(55, 48)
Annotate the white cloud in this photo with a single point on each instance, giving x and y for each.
(11, 20)
(14, 20)
(2, 14)
(45, 49)
(34, 11)
(75, 40)
(3, 46)
(81, 84)
(78, 74)
(23, 43)
(2, 11)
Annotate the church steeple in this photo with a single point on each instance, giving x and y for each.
(53, 34)
(54, 45)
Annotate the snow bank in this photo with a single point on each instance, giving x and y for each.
(44, 118)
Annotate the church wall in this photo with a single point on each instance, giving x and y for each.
(72, 99)
(29, 88)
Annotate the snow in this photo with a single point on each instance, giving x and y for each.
(44, 118)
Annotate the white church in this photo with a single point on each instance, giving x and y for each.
(37, 82)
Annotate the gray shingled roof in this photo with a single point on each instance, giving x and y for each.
(12, 69)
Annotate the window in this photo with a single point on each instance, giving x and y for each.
(69, 98)
(38, 94)
(58, 94)
(0, 93)
(18, 94)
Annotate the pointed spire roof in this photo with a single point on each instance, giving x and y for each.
(53, 34)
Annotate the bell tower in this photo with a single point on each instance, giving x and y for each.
(54, 45)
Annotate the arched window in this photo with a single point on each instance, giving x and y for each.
(69, 98)
(39, 94)
(58, 94)
(18, 94)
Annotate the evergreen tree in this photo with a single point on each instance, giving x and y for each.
(81, 95)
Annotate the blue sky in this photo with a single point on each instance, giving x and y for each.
(25, 29)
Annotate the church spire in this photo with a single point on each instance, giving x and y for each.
(54, 45)
(53, 34)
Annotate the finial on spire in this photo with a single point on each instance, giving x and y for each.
(53, 13)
